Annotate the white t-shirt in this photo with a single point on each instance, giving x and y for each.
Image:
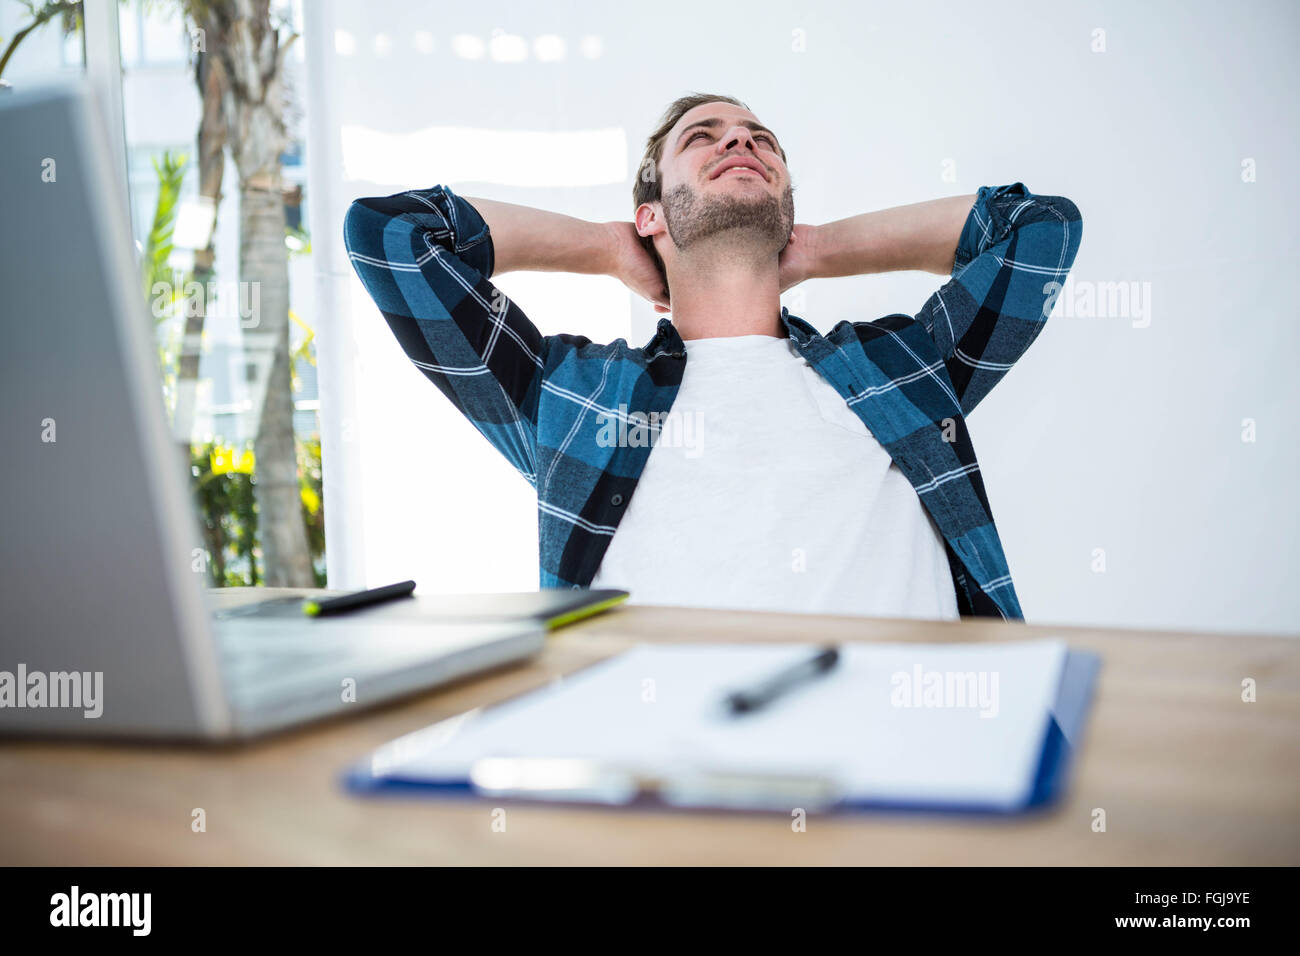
(766, 492)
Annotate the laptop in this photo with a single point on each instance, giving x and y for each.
(105, 625)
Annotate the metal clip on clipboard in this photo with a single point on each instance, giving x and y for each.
(589, 781)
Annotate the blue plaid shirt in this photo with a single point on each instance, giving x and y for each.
(426, 257)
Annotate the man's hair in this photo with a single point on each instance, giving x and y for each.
(646, 186)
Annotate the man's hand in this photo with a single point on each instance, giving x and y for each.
(632, 265)
(798, 260)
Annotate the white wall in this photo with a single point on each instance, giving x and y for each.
(1119, 433)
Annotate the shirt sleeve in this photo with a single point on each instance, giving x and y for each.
(1014, 253)
(425, 257)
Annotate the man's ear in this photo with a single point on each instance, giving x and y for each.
(649, 219)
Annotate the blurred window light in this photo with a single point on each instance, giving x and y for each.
(181, 261)
(549, 48)
(508, 47)
(591, 46)
(128, 32)
(504, 157)
(423, 41)
(195, 221)
(467, 46)
(382, 44)
(300, 48)
(72, 49)
(344, 43)
(163, 35)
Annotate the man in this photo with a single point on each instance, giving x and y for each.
(830, 474)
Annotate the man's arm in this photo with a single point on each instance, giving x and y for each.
(534, 240)
(921, 236)
(426, 256)
(525, 239)
(1003, 247)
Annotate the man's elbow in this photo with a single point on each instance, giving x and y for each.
(1066, 215)
(1063, 208)
(1050, 229)
(360, 225)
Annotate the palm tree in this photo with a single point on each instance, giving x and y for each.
(210, 77)
(240, 72)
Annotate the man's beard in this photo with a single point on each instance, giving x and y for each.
(761, 221)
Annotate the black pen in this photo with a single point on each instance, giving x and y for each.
(744, 701)
(349, 602)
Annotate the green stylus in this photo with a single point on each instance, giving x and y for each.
(350, 602)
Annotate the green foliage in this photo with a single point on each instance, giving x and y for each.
(229, 517)
(68, 12)
(313, 503)
(162, 288)
(170, 171)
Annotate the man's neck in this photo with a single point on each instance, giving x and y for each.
(713, 300)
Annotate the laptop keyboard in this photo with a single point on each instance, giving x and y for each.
(287, 660)
(268, 665)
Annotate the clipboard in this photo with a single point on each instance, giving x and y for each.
(548, 746)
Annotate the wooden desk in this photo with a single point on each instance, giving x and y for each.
(1186, 772)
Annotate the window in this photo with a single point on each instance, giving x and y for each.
(216, 339)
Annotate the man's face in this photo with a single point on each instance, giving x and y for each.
(723, 177)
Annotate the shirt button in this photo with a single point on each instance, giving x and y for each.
(616, 500)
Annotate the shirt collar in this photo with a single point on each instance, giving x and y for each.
(667, 338)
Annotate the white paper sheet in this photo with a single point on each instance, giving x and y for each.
(959, 725)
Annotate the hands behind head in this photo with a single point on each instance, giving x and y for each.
(633, 266)
(798, 257)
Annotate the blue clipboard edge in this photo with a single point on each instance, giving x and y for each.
(1064, 736)
(1066, 728)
